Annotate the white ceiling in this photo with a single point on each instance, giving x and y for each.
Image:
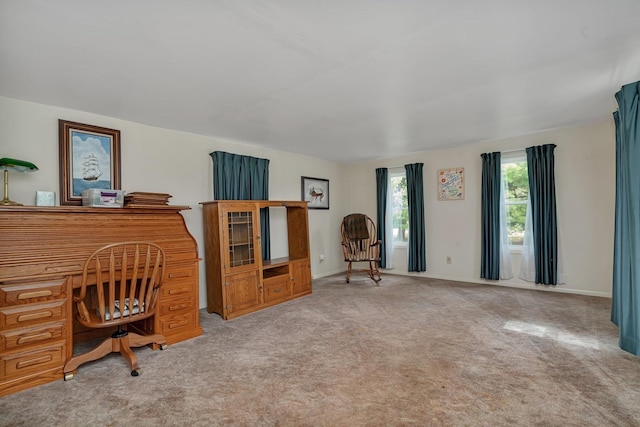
(343, 80)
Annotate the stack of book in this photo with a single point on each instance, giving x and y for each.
(138, 198)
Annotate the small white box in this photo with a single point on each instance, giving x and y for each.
(98, 197)
(45, 198)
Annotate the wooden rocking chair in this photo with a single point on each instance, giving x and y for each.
(360, 244)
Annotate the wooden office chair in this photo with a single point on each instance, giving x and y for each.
(360, 244)
(120, 285)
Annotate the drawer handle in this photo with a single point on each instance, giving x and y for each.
(35, 294)
(37, 337)
(277, 291)
(179, 306)
(178, 324)
(177, 291)
(31, 362)
(34, 316)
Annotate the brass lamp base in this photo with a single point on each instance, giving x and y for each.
(7, 202)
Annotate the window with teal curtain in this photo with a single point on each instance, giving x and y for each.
(490, 237)
(625, 301)
(542, 196)
(238, 177)
(416, 247)
(382, 181)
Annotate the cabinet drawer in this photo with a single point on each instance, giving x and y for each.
(183, 273)
(177, 323)
(25, 315)
(276, 288)
(34, 360)
(22, 337)
(176, 305)
(30, 292)
(176, 290)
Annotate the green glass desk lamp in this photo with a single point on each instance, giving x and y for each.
(8, 164)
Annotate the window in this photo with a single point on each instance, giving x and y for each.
(516, 192)
(399, 207)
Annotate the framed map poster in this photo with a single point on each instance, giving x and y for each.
(451, 184)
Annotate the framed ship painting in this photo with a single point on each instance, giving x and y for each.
(316, 192)
(89, 158)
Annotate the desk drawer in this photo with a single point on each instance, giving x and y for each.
(177, 323)
(176, 290)
(23, 337)
(30, 292)
(25, 315)
(175, 305)
(34, 360)
(276, 288)
(181, 273)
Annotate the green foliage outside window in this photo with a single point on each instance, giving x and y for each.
(516, 194)
(400, 208)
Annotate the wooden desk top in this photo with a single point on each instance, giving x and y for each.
(52, 241)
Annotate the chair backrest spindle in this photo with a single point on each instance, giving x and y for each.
(126, 277)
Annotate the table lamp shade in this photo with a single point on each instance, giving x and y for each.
(18, 165)
(8, 164)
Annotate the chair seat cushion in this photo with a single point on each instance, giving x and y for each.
(125, 312)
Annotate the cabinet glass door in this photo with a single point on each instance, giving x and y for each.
(241, 239)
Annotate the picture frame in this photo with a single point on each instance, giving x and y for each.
(451, 184)
(89, 158)
(316, 192)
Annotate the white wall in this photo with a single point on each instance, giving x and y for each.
(178, 163)
(167, 161)
(585, 187)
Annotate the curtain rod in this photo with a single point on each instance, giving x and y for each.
(514, 150)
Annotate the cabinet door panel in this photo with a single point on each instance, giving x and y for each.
(241, 239)
(242, 291)
(301, 277)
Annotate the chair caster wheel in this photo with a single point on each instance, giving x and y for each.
(68, 376)
(163, 346)
(136, 372)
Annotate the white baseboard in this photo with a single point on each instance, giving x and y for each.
(512, 283)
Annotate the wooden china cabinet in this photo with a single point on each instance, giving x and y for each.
(239, 281)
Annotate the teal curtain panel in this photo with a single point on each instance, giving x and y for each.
(238, 177)
(417, 237)
(490, 217)
(382, 186)
(542, 194)
(625, 301)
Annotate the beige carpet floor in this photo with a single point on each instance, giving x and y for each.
(409, 352)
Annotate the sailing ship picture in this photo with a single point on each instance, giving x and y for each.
(91, 161)
(91, 168)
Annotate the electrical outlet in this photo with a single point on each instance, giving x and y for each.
(448, 260)
(321, 257)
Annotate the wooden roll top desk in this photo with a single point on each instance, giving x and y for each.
(42, 252)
